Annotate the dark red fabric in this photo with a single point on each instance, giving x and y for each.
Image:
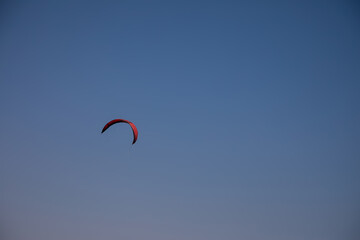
(133, 127)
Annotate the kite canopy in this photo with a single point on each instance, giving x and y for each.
(133, 127)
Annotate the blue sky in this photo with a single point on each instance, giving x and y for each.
(247, 114)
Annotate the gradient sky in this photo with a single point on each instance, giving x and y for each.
(248, 116)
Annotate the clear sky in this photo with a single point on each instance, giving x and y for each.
(248, 117)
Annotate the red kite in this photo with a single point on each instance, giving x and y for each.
(133, 127)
